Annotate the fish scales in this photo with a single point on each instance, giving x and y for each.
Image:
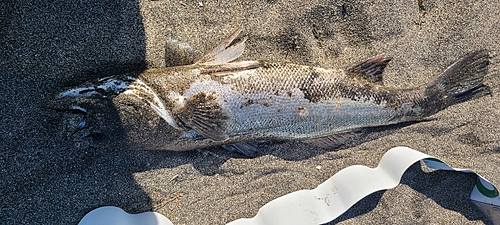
(216, 102)
(293, 101)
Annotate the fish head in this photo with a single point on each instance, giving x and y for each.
(86, 113)
(121, 112)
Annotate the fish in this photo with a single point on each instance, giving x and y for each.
(218, 102)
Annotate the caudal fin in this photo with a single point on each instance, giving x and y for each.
(463, 80)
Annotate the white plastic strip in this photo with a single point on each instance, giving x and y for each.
(336, 195)
(111, 215)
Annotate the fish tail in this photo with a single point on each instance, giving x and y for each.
(461, 81)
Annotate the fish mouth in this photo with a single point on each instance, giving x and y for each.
(86, 112)
(76, 99)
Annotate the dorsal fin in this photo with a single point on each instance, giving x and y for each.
(204, 115)
(225, 52)
(178, 53)
(370, 70)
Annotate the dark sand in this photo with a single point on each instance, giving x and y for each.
(46, 46)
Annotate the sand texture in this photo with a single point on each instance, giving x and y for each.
(46, 46)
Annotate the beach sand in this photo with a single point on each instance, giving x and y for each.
(49, 45)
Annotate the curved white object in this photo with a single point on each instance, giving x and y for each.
(336, 195)
(331, 198)
(111, 215)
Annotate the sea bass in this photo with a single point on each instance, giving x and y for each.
(217, 102)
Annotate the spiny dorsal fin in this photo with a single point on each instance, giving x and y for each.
(178, 53)
(333, 141)
(205, 116)
(225, 52)
(370, 70)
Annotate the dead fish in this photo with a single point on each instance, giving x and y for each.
(217, 102)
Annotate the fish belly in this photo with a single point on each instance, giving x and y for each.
(293, 118)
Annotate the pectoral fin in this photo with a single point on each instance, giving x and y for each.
(370, 70)
(225, 52)
(203, 114)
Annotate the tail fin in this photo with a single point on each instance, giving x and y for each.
(461, 81)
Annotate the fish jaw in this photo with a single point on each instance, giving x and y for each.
(105, 87)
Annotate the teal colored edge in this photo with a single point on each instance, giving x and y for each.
(485, 191)
(480, 187)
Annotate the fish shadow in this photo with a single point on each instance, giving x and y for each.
(440, 186)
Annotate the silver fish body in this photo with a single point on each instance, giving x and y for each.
(215, 102)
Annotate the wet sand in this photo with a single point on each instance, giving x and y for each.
(47, 46)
